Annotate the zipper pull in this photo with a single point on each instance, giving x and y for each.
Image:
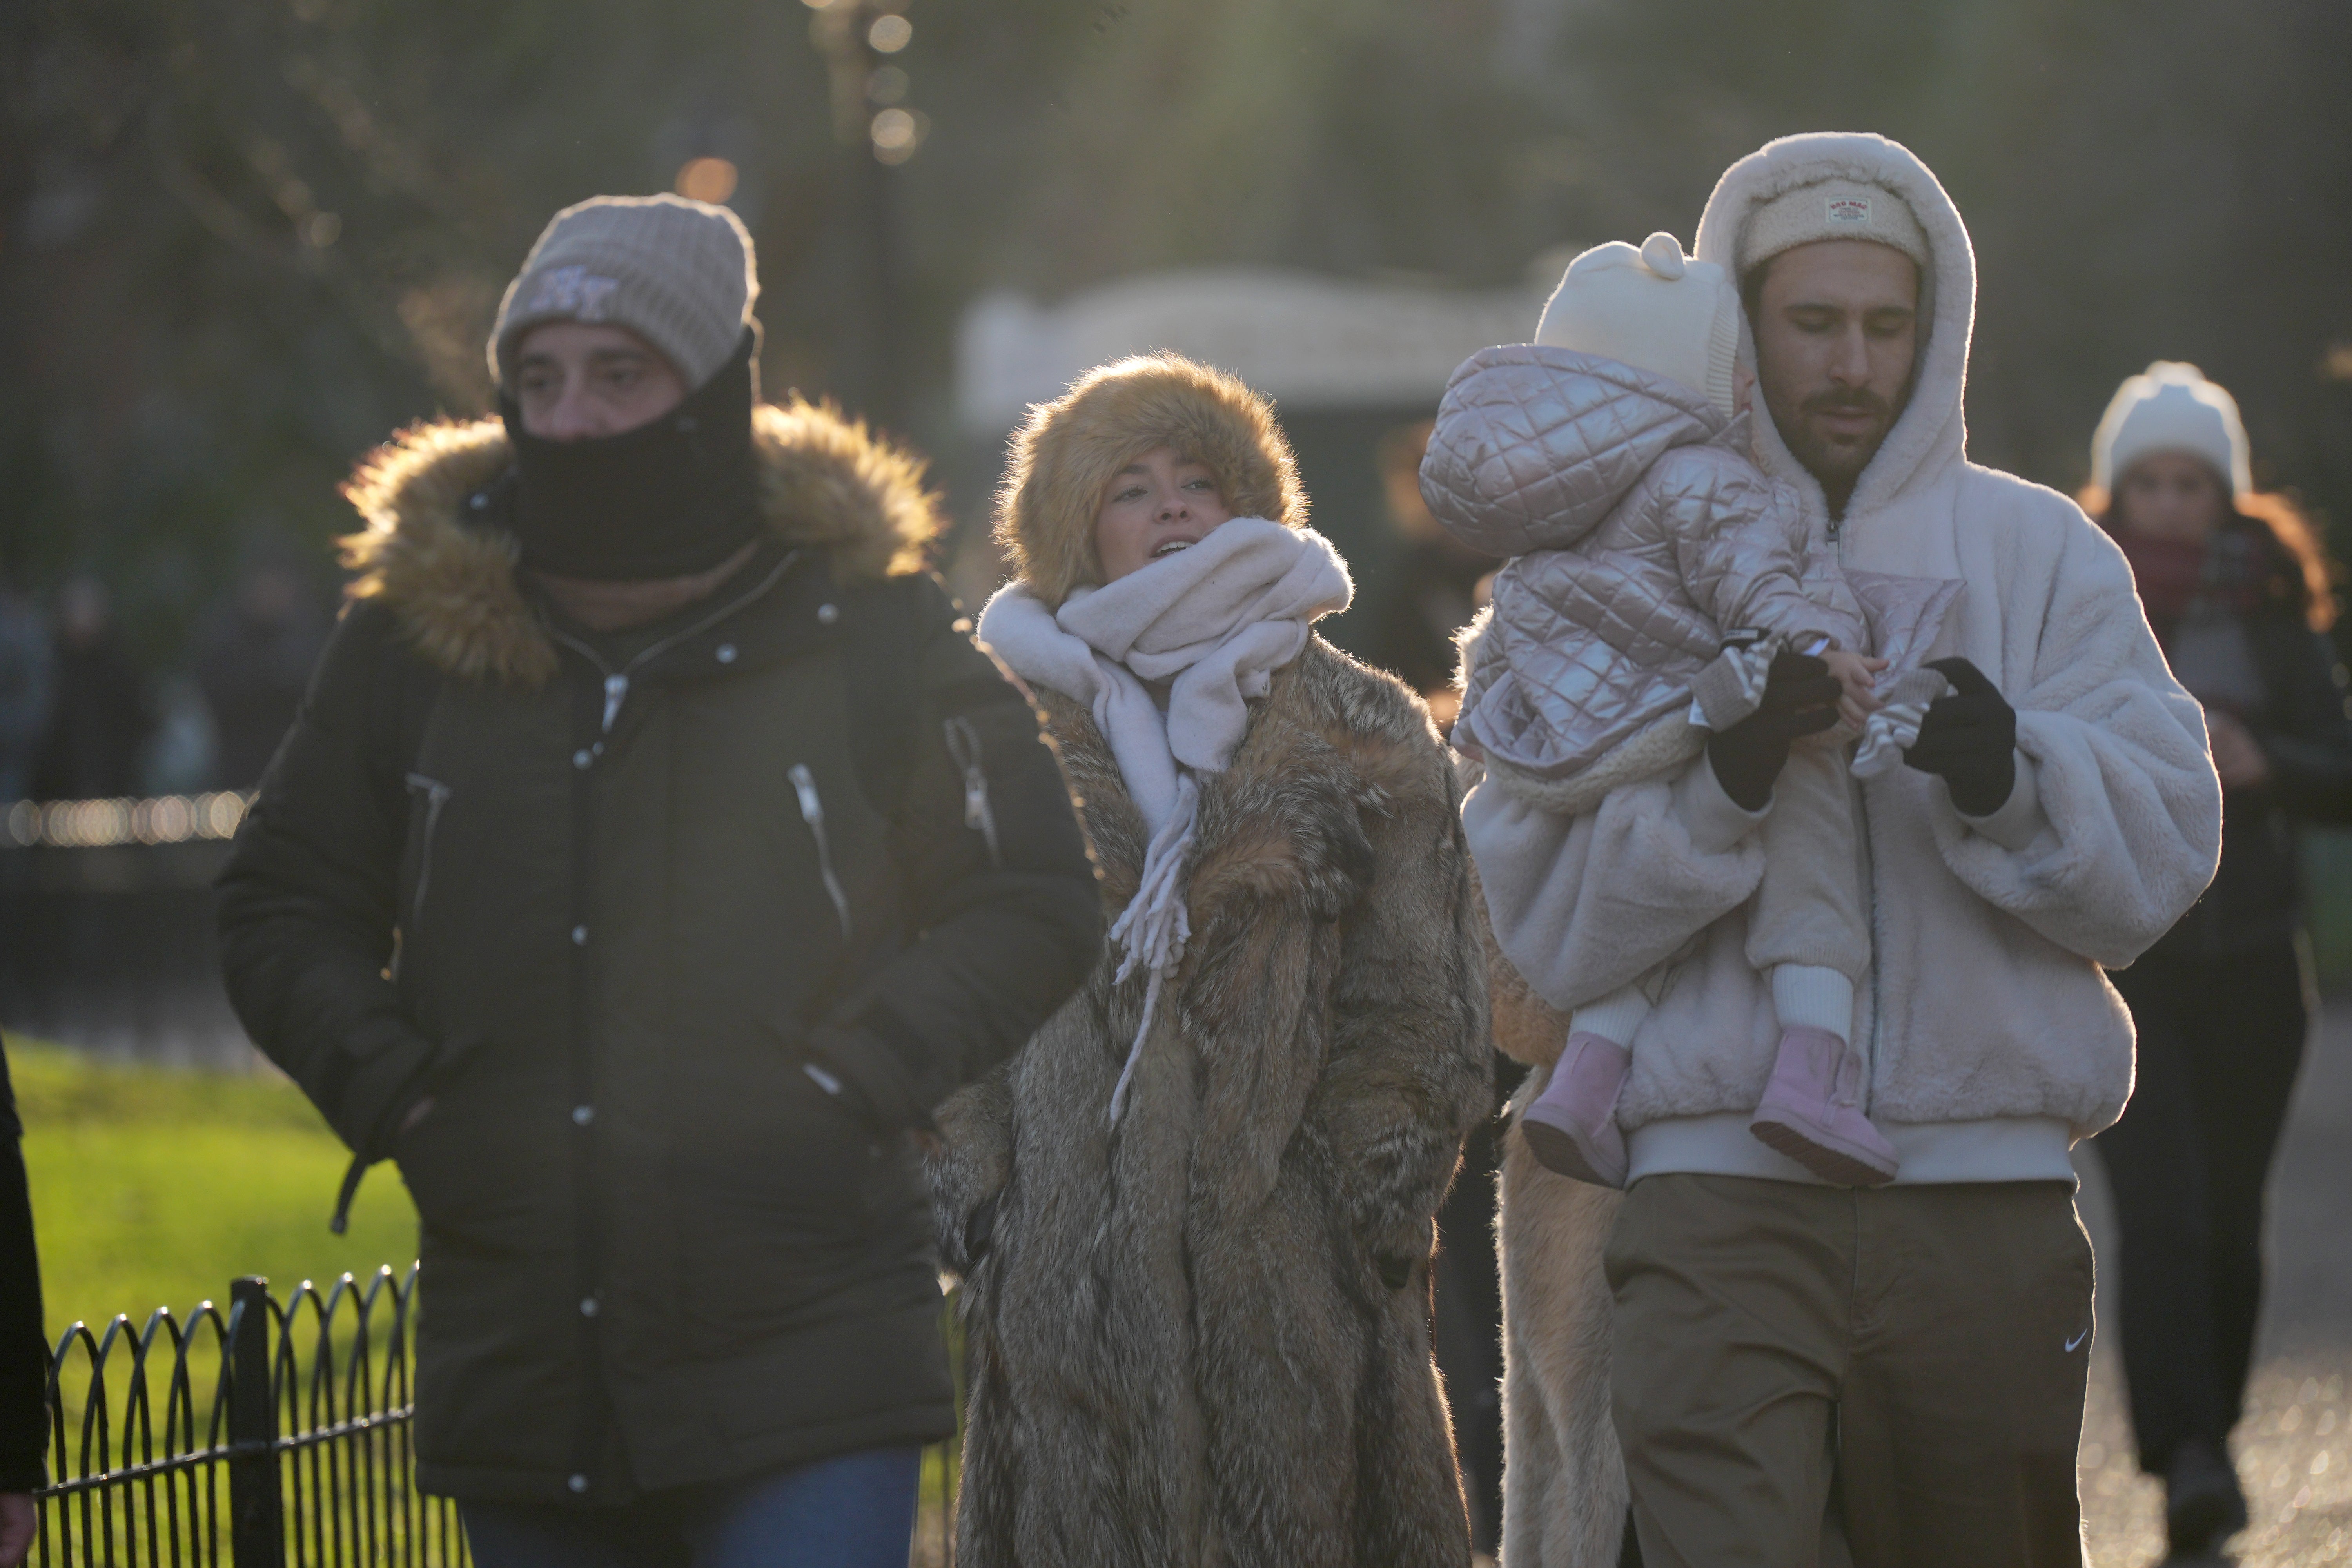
(963, 745)
(616, 690)
(813, 813)
(804, 787)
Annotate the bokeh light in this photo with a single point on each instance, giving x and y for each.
(890, 33)
(706, 179)
(896, 134)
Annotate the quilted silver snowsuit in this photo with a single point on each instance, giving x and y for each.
(1642, 534)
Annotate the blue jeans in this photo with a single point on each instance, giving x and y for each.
(856, 1510)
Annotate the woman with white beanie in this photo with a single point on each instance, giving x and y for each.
(1193, 1214)
(2238, 590)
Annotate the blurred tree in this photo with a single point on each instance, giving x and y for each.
(2142, 179)
(241, 240)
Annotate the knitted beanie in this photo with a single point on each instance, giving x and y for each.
(1832, 209)
(1653, 308)
(2171, 407)
(677, 273)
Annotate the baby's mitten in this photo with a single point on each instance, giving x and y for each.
(1894, 729)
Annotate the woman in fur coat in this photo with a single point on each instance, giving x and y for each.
(1194, 1214)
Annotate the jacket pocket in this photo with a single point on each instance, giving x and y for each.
(813, 813)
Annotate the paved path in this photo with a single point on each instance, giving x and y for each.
(2294, 1446)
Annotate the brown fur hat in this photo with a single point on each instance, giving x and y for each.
(1071, 448)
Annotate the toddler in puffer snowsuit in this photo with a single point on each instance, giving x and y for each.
(1656, 573)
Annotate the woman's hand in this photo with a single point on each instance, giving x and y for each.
(2238, 757)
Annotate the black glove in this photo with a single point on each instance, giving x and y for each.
(1971, 738)
(1800, 698)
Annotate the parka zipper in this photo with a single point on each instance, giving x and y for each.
(616, 681)
(813, 813)
(963, 745)
(1870, 876)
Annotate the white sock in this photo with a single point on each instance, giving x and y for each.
(1614, 1017)
(1808, 996)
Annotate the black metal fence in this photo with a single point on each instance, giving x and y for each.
(268, 1436)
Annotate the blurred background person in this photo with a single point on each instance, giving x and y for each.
(2239, 591)
(99, 719)
(24, 689)
(252, 655)
(1437, 585)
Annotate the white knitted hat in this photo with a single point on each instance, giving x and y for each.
(1653, 308)
(2171, 407)
(677, 273)
(1832, 209)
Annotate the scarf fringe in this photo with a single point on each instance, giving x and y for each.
(1154, 927)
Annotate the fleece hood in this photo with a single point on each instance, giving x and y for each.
(1930, 439)
(437, 547)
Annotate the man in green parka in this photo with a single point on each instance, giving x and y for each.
(654, 850)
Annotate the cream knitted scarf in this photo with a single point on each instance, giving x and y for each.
(1214, 621)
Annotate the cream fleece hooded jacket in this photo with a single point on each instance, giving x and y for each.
(1991, 1037)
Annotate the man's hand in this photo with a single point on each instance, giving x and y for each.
(18, 1521)
(1800, 698)
(1969, 738)
(2238, 757)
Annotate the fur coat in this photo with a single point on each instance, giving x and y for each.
(1202, 1337)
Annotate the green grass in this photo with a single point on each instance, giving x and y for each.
(155, 1186)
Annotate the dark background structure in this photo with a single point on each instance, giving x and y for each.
(240, 240)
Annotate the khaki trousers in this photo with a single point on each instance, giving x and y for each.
(1899, 1367)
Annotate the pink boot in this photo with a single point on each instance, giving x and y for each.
(1571, 1127)
(1811, 1111)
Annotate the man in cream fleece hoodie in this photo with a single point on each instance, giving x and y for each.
(1923, 1345)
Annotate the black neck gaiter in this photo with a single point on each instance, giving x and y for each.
(666, 499)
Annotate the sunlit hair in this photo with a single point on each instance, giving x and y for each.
(2295, 531)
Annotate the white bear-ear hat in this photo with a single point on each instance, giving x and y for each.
(1652, 308)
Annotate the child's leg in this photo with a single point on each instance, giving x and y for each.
(1808, 914)
(1571, 1126)
(1614, 1017)
(1808, 932)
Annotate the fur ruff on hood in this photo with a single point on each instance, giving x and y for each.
(1071, 448)
(824, 480)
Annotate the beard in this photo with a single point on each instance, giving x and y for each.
(1839, 460)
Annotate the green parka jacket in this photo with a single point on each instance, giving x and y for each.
(681, 945)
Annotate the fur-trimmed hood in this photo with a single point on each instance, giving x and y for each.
(1070, 448)
(433, 552)
(1931, 437)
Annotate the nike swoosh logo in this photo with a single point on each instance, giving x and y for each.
(2077, 1339)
